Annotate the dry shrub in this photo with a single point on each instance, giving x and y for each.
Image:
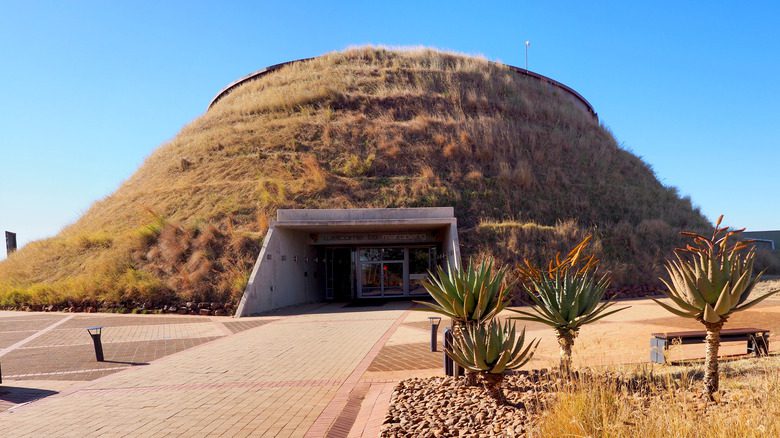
(271, 192)
(194, 264)
(315, 176)
(262, 222)
(474, 175)
(353, 165)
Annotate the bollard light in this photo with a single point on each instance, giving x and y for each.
(435, 321)
(95, 332)
(450, 367)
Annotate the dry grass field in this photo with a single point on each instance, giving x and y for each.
(527, 171)
(747, 406)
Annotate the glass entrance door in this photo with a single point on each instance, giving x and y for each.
(392, 272)
(338, 273)
(421, 261)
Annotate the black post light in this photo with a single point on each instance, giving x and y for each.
(94, 332)
(449, 368)
(435, 321)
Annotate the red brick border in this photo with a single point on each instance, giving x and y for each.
(322, 425)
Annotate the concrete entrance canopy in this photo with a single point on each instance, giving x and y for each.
(378, 252)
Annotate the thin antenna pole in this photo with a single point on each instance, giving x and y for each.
(527, 44)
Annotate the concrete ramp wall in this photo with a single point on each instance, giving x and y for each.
(281, 278)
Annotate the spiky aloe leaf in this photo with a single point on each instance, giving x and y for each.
(712, 277)
(492, 348)
(568, 300)
(472, 295)
(674, 310)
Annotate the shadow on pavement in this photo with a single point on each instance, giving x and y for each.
(126, 363)
(321, 308)
(16, 395)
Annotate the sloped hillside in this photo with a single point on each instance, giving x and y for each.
(526, 169)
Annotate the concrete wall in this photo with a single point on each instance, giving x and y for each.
(286, 278)
(451, 245)
(773, 235)
(325, 215)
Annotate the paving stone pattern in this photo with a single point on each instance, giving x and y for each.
(65, 362)
(32, 322)
(240, 325)
(11, 395)
(274, 379)
(79, 336)
(11, 337)
(84, 321)
(66, 352)
(416, 356)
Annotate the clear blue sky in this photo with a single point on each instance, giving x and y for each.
(89, 89)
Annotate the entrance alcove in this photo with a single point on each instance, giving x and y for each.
(349, 254)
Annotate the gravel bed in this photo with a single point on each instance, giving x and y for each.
(445, 406)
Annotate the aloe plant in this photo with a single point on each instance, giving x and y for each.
(492, 349)
(471, 296)
(566, 295)
(708, 281)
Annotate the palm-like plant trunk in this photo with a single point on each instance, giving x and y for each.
(711, 380)
(493, 386)
(566, 342)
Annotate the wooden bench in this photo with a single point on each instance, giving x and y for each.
(757, 340)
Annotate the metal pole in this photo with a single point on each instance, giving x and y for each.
(448, 364)
(10, 242)
(98, 347)
(434, 337)
(527, 43)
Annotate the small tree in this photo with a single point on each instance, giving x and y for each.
(708, 281)
(491, 350)
(567, 295)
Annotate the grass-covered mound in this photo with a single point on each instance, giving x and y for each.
(527, 170)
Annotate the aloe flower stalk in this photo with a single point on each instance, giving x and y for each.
(566, 296)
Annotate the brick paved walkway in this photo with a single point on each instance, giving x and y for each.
(275, 379)
(56, 346)
(326, 372)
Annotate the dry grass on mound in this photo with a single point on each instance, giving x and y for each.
(613, 403)
(370, 128)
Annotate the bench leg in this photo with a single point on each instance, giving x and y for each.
(658, 347)
(763, 344)
(758, 345)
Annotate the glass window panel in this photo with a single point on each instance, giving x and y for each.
(371, 254)
(415, 284)
(393, 254)
(419, 260)
(370, 275)
(394, 278)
